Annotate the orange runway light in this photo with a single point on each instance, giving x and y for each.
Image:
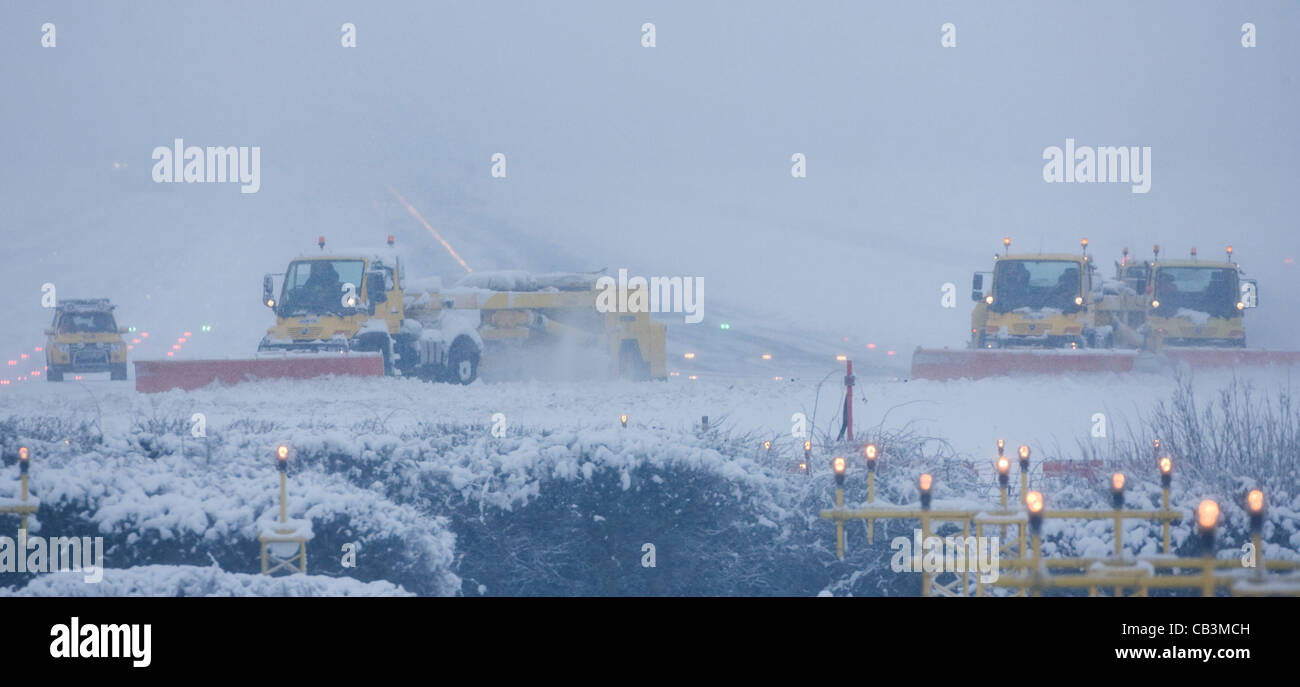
(1255, 501)
(1207, 514)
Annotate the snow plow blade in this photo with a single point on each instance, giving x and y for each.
(944, 364)
(152, 376)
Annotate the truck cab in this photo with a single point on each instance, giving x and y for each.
(84, 338)
(328, 300)
(1040, 301)
(343, 303)
(1198, 303)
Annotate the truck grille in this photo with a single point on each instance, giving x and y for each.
(90, 356)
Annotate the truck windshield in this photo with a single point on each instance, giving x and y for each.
(316, 286)
(71, 322)
(1035, 284)
(1210, 290)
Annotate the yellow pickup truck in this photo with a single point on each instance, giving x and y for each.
(84, 337)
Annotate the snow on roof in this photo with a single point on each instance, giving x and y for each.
(519, 280)
(84, 304)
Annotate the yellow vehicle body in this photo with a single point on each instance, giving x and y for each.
(1202, 306)
(356, 305)
(84, 338)
(1060, 312)
(634, 345)
(438, 334)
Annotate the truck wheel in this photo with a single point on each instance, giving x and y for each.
(381, 343)
(118, 373)
(53, 375)
(462, 362)
(405, 358)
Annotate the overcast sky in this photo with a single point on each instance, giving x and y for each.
(671, 160)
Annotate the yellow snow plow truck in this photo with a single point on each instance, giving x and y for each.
(1167, 313)
(347, 303)
(1040, 301)
(84, 337)
(1195, 303)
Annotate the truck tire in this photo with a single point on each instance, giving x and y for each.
(462, 362)
(406, 359)
(381, 343)
(118, 373)
(53, 375)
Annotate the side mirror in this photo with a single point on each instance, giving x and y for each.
(1250, 294)
(977, 287)
(375, 282)
(268, 291)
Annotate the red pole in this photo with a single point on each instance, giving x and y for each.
(848, 399)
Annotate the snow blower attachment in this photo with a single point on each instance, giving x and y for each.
(1052, 314)
(356, 315)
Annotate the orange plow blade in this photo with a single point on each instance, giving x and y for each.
(944, 363)
(152, 376)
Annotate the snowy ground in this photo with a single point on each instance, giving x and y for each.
(411, 473)
(1049, 413)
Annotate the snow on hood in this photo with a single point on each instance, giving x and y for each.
(1196, 317)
